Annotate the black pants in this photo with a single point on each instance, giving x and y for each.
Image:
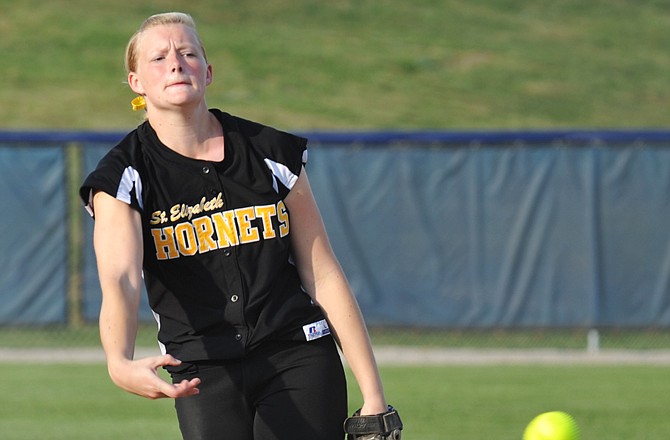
(281, 391)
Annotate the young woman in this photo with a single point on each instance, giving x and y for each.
(215, 215)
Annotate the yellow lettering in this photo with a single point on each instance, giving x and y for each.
(282, 216)
(266, 213)
(219, 230)
(175, 213)
(164, 242)
(248, 233)
(224, 223)
(204, 231)
(186, 239)
(215, 203)
(156, 217)
(197, 209)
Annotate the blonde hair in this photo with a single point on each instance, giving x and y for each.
(163, 19)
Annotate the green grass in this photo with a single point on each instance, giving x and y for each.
(71, 402)
(355, 64)
(496, 402)
(76, 402)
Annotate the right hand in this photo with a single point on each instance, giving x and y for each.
(141, 377)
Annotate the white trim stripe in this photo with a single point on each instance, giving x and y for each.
(130, 178)
(89, 204)
(161, 346)
(281, 172)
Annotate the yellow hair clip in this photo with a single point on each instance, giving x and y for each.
(138, 103)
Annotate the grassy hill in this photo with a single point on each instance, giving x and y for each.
(354, 64)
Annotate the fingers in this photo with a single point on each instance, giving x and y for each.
(187, 387)
(184, 388)
(164, 360)
(141, 377)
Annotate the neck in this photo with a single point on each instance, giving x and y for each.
(196, 134)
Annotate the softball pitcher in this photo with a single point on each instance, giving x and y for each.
(215, 215)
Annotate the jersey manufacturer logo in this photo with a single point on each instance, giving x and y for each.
(221, 229)
(316, 330)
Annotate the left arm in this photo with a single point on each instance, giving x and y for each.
(326, 283)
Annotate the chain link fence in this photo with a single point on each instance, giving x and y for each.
(78, 328)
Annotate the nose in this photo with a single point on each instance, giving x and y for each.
(175, 62)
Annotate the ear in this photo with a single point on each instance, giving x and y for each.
(209, 75)
(135, 84)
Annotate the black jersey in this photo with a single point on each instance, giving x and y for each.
(217, 256)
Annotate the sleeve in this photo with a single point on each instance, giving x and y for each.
(118, 175)
(284, 153)
(287, 158)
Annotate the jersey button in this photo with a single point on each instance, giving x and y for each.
(238, 337)
(205, 170)
(234, 298)
(226, 252)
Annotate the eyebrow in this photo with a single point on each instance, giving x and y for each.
(179, 47)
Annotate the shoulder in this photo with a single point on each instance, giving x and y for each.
(126, 152)
(277, 148)
(259, 134)
(118, 173)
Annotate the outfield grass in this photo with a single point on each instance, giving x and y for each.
(496, 402)
(352, 64)
(78, 402)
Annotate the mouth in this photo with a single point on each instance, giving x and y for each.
(179, 83)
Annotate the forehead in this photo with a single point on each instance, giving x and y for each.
(161, 36)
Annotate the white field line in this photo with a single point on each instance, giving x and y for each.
(392, 355)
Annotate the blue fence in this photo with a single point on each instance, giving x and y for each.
(434, 229)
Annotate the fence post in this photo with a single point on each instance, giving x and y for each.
(74, 173)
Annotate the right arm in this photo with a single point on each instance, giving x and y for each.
(117, 240)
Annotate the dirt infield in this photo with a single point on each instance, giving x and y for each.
(392, 355)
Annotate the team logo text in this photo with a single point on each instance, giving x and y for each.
(221, 229)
